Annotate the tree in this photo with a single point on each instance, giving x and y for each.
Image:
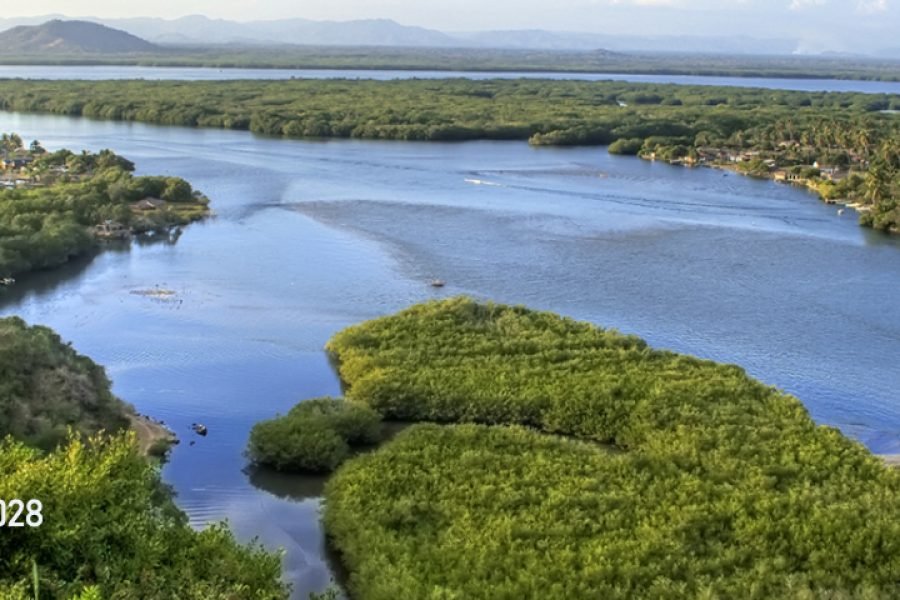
(11, 142)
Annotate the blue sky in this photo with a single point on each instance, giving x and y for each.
(821, 24)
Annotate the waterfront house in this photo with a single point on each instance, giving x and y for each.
(835, 174)
(149, 204)
(111, 230)
(15, 161)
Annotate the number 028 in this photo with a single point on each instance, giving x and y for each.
(17, 513)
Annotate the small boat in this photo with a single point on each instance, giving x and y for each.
(7, 281)
(840, 212)
(199, 429)
(437, 283)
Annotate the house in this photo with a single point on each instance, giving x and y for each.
(149, 204)
(112, 230)
(783, 175)
(14, 161)
(835, 174)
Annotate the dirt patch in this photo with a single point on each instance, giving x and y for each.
(150, 434)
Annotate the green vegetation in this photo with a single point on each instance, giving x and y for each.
(57, 205)
(472, 59)
(107, 523)
(315, 436)
(706, 483)
(46, 388)
(771, 131)
(110, 529)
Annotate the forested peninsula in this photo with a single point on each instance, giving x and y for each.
(480, 60)
(568, 461)
(56, 206)
(844, 146)
(110, 528)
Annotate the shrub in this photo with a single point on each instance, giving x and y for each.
(107, 523)
(315, 436)
(626, 146)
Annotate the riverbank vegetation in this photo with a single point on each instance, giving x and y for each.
(315, 436)
(55, 206)
(485, 60)
(110, 527)
(826, 141)
(593, 466)
(109, 524)
(48, 389)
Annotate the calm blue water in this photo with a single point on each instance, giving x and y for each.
(310, 237)
(206, 74)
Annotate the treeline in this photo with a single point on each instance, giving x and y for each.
(49, 219)
(711, 485)
(568, 111)
(488, 59)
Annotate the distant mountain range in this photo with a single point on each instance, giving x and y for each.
(200, 30)
(71, 37)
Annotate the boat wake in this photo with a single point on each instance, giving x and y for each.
(483, 182)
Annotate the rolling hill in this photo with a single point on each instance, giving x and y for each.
(71, 37)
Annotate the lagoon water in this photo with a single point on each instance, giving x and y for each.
(96, 73)
(310, 237)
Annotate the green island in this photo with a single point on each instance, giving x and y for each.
(841, 145)
(110, 528)
(56, 206)
(315, 436)
(556, 459)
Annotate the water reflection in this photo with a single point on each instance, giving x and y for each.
(287, 486)
(42, 283)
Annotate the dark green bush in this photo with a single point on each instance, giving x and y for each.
(629, 146)
(315, 436)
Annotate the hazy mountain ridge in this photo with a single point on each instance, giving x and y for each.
(201, 30)
(71, 37)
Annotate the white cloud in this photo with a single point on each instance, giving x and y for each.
(803, 4)
(871, 6)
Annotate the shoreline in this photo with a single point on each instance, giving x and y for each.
(153, 437)
(891, 460)
(804, 184)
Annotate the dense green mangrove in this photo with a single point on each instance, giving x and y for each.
(842, 144)
(55, 206)
(484, 59)
(315, 436)
(576, 462)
